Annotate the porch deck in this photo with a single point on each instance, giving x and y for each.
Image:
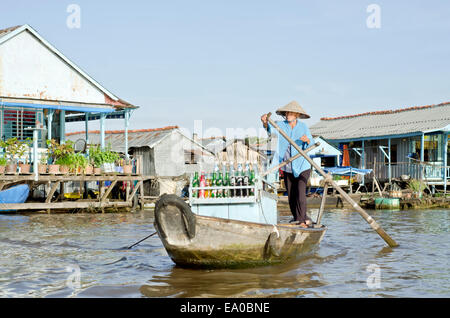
(133, 184)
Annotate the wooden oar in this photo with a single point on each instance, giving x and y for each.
(289, 160)
(330, 181)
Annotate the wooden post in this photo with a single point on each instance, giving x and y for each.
(52, 192)
(127, 191)
(130, 198)
(375, 226)
(61, 190)
(110, 188)
(141, 194)
(374, 174)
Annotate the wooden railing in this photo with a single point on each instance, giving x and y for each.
(429, 171)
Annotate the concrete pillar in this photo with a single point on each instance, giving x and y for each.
(389, 162)
(126, 123)
(363, 159)
(445, 160)
(50, 121)
(86, 128)
(62, 126)
(102, 130)
(422, 155)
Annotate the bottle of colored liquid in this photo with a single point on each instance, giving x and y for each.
(201, 193)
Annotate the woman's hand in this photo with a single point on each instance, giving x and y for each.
(264, 120)
(305, 139)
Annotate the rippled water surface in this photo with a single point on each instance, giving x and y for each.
(42, 255)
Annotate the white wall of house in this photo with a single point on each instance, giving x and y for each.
(29, 69)
(169, 156)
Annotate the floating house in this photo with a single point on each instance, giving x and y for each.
(165, 152)
(234, 150)
(410, 142)
(41, 87)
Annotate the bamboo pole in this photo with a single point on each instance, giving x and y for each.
(322, 205)
(375, 226)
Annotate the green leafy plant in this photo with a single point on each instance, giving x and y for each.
(99, 157)
(416, 185)
(73, 161)
(3, 161)
(44, 159)
(58, 151)
(15, 148)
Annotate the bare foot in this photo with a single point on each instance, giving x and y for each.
(303, 225)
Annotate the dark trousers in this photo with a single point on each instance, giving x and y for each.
(296, 189)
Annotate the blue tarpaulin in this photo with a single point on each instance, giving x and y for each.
(347, 171)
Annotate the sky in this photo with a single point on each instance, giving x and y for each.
(225, 63)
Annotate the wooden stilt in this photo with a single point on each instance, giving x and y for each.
(52, 192)
(141, 194)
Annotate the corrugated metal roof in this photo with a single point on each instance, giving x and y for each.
(213, 144)
(385, 123)
(136, 138)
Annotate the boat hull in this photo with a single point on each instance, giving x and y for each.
(225, 243)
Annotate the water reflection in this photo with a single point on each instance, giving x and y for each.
(35, 251)
(280, 281)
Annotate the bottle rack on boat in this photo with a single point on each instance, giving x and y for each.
(256, 206)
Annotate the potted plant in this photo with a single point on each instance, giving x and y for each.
(127, 166)
(3, 163)
(42, 167)
(60, 155)
(95, 156)
(15, 149)
(79, 163)
(103, 159)
(109, 157)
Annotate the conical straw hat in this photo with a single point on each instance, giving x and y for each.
(293, 107)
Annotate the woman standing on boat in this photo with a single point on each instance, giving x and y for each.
(296, 173)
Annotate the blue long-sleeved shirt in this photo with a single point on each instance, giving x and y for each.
(300, 164)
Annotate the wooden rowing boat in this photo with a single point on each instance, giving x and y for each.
(202, 241)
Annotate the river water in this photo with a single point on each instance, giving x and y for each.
(82, 255)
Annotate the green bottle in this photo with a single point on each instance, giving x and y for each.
(213, 184)
(195, 184)
(219, 183)
(226, 183)
(251, 182)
